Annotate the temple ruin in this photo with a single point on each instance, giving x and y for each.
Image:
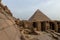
(36, 27)
(41, 22)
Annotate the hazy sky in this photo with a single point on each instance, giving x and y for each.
(24, 9)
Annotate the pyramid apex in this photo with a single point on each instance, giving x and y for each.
(37, 10)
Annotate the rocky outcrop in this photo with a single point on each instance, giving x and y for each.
(8, 28)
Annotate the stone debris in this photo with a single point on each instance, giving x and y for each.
(38, 27)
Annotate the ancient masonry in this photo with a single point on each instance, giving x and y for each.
(10, 26)
(41, 22)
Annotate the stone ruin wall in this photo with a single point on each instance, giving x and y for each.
(43, 25)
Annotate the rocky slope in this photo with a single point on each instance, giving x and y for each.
(8, 27)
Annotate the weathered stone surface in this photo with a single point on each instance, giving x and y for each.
(8, 28)
(12, 28)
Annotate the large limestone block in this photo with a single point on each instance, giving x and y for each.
(2, 16)
(8, 28)
(3, 24)
(11, 32)
(3, 36)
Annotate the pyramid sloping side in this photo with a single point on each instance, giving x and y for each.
(39, 16)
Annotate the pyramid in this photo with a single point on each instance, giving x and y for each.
(39, 16)
(8, 28)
